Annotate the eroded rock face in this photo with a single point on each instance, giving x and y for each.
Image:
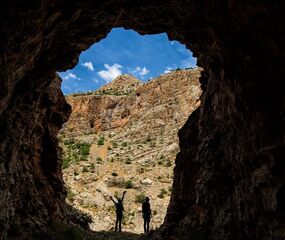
(148, 106)
(234, 144)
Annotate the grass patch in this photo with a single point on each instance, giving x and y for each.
(129, 184)
(140, 198)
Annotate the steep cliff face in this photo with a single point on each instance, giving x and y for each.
(239, 147)
(133, 144)
(148, 105)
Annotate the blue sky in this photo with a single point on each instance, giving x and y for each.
(125, 51)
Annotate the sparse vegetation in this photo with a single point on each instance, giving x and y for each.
(115, 145)
(124, 144)
(92, 166)
(75, 151)
(65, 162)
(84, 148)
(101, 141)
(114, 174)
(85, 169)
(162, 193)
(140, 198)
(129, 184)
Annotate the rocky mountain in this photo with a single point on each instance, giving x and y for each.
(124, 137)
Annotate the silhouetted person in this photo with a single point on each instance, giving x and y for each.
(119, 211)
(146, 212)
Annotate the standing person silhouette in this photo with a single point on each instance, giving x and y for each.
(146, 212)
(119, 211)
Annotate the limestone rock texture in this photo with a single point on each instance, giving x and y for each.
(229, 174)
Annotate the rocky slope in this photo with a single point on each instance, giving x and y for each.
(132, 140)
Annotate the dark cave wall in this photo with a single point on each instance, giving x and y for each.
(32, 190)
(229, 175)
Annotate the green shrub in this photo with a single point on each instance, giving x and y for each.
(84, 148)
(129, 184)
(65, 162)
(140, 198)
(92, 166)
(75, 173)
(100, 141)
(162, 193)
(68, 141)
(85, 169)
(124, 144)
(115, 145)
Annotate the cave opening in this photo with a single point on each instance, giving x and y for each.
(235, 160)
(122, 132)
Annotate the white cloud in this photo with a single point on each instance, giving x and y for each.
(140, 71)
(168, 69)
(89, 65)
(71, 76)
(188, 62)
(111, 72)
(95, 80)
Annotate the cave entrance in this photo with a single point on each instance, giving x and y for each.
(130, 95)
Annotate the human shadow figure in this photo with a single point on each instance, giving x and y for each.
(146, 214)
(119, 211)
